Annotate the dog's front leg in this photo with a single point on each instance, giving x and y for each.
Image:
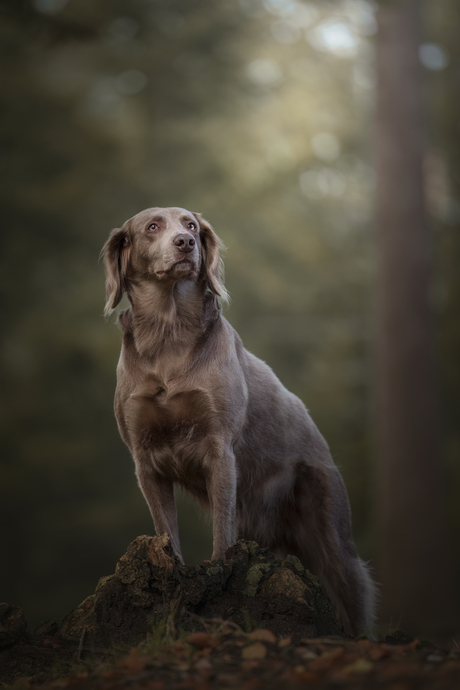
(159, 494)
(221, 489)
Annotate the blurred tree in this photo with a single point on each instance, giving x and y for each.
(414, 564)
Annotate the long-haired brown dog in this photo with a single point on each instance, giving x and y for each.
(197, 409)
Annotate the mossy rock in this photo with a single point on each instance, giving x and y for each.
(252, 588)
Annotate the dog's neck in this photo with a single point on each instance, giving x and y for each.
(168, 315)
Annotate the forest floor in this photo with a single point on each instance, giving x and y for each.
(226, 657)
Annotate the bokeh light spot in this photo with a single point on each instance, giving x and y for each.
(325, 146)
(264, 72)
(335, 37)
(433, 56)
(316, 184)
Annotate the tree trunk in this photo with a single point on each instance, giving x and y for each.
(412, 553)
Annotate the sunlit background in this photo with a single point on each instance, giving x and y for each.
(258, 114)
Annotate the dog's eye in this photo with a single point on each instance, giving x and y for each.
(191, 226)
(152, 227)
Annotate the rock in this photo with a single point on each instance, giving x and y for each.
(151, 589)
(13, 625)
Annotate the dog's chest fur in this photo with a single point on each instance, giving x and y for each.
(171, 423)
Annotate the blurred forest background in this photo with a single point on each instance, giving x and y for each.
(258, 114)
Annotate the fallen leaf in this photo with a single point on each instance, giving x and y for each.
(307, 677)
(262, 635)
(134, 663)
(326, 659)
(305, 653)
(377, 652)
(359, 666)
(285, 642)
(201, 640)
(180, 646)
(254, 651)
(401, 668)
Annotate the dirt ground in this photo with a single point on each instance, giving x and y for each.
(226, 657)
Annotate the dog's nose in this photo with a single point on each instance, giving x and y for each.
(184, 242)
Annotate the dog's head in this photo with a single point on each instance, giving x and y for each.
(165, 245)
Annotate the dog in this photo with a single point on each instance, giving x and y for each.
(198, 410)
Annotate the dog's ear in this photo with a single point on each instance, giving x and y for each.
(212, 267)
(115, 254)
